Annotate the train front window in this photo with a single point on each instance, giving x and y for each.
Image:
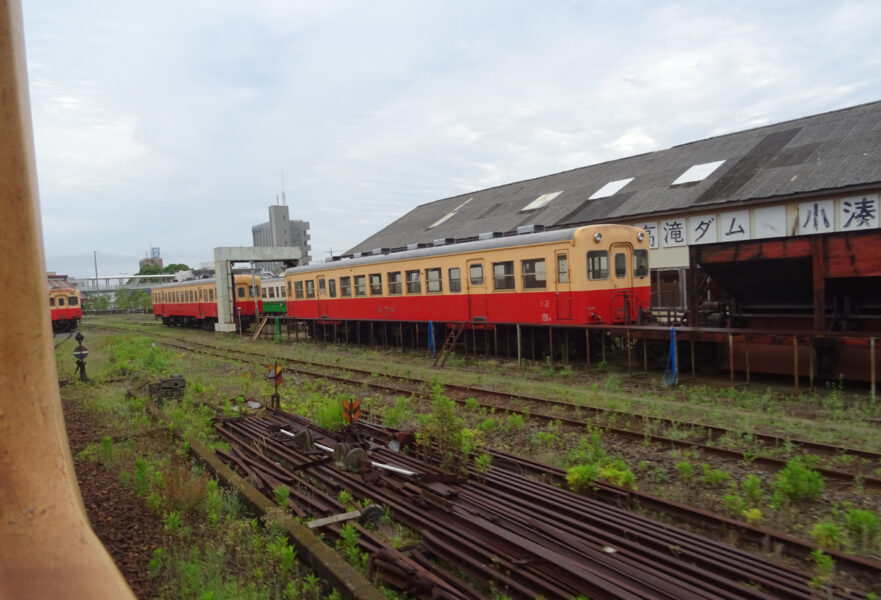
(310, 288)
(503, 275)
(620, 265)
(394, 283)
(562, 268)
(640, 263)
(455, 280)
(360, 285)
(73, 301)
(433, 280)
(242, 291)
(597, 264)
(331, 288)
(51, 301)
(476, 274)
(375, 284)
(414, 284)
(345, 287)
(534, 275)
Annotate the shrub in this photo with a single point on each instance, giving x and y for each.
(753, 516)
(863, 526)
(828, 535)
(797, 482)
(752, 489)
(581, 477)
(713, 476)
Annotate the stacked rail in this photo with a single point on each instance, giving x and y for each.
(496, 532)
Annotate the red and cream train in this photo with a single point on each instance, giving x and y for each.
(65, 309)
(194, 302)
(592, 274)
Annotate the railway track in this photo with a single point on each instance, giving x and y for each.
(533, 407)
(497, 532)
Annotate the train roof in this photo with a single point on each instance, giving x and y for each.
(835, 152)
(209, 280)
(526, 239)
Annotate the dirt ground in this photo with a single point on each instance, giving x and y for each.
(123, 523)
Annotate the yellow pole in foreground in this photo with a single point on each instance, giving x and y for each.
(47, 548)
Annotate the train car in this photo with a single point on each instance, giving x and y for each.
(193, 303)
(274, 296)
(597, 274)
(65, 308)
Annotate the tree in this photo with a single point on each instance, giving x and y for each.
(97, 303)
(126, 299)
(174, 268)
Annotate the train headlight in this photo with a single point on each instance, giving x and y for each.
(640, 236)
(598, 237)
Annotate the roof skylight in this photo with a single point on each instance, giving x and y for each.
(698, 172)
(540, 201)
(610, 189)
(450, 214)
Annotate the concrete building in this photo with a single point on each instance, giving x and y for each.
(281, 231)
(154, 259)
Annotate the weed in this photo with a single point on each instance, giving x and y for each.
(482, 463)
(862, 525)
(581, 478)
(713, 476)
(753, 516)
(685, 470)
(752, 489)
(828, 535)
(797, 482)
(281, 494)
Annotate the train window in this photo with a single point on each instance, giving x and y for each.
(331, 288)
(271, 293)
(620, 265)
(51, 301)
(242, 292)
(534, 274)
(503, 275)
(562, 268)
(375, 284)
(310, 288)
(597, 264)
(61, 301)
(414, 285)
(321, 286)
(433, 280)
(394, 282)
(455, 279)
(290, 292)
(640, 263)
(73, 301)
(345, 287)
(360, 285)
(264, 291)
(476, 274)
(281, 290)
(298, 289)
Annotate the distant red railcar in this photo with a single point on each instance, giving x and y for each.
(194, 303)
(64, 306)
(587, 275)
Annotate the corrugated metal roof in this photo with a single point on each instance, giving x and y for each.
(826, 152)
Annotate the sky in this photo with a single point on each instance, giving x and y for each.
(175, 124)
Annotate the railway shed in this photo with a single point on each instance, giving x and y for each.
(776, 226)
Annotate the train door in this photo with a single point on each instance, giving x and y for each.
(563, 297)
(322, 298)
(475, 275)
(623, 299)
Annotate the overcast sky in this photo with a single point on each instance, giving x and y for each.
(171, 124)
